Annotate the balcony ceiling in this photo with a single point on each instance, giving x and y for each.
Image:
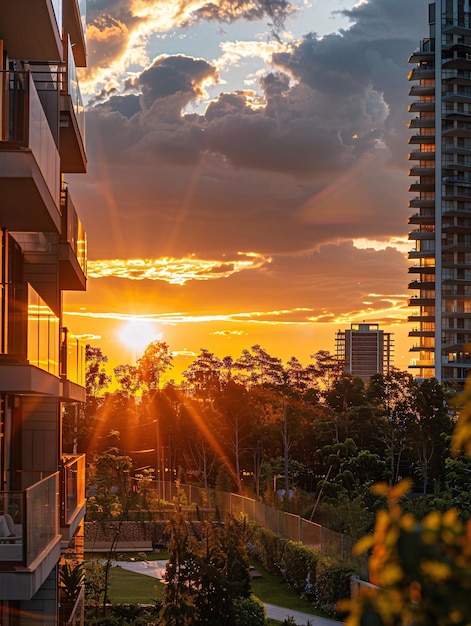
(29, 30)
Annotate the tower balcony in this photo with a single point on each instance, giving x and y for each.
(27, 559)
(29, 160)
(22, 20)
(419, 235)
(422, 155)
(419, 122)
(72, 118)
(72, 490)
(426, 216)
(421, 254)
(419, 186)
(422, 202)
(29, 341)
(418, 170)
(420, 284)
(416, 332)
(422, 139)
(422, 107)
(421, 269)
(422, 72)
(72, 247)
(421, 301)
(422, 90)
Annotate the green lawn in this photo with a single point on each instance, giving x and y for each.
(129, 587)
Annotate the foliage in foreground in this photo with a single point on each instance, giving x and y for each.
(421, 569)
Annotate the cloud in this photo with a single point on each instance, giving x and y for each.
(117, 30)
(321, 164)
(175, 271)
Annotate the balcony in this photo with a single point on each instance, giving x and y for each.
(422, 72)
(75, 25)
(72, 367)
(29, 160)
(417, 203)
(21, 22)
(421, 170)
(27, 559)
(73, 501)
(72, 247)
(72, 118)
(29, 343)
(422, 107)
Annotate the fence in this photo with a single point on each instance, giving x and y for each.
(213, 503)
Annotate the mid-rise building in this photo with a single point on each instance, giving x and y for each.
(441, 220)
(42, 253)
(364, 350)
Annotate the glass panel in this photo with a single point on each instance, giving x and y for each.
(73, 485)
(73, 89)
(41, 516)
(43, 334)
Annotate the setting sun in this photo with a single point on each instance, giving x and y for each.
(137, 334)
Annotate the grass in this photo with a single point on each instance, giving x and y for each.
(130, 587)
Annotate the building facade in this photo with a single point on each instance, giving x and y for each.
(364, 350)
(42, 254)
(441, 222)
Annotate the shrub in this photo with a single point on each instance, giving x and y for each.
(332, 584)
(249, 611)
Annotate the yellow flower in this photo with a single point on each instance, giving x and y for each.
(432, 521)
(391, 574)
(437, 571)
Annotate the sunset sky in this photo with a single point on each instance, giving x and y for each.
(247, 178)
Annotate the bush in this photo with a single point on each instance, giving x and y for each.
(332, 584)
(249, 611)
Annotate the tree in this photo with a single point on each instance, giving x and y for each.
(155, 361)
(204, 374)
(96, 378)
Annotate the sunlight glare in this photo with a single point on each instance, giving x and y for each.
(137, 334)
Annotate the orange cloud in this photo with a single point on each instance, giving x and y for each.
(175, 271)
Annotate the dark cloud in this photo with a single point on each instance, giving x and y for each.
(325, 160)
(170, 75)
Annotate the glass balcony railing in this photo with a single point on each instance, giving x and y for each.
(70, 86)
(57, 6)
(25, 125)
(73, 231)
(72, 358)
(72, 487)
(33, 513)
(32, 329)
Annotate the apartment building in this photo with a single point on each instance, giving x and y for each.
(42, 254)
(364, 350)
(441, 222)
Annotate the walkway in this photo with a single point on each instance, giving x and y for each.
(156, 569)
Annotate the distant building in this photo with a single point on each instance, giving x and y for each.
(43, 253)
(440, 154)
(365, 350)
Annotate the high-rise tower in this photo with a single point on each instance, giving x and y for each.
(364, 350)
(441, 165)
(42, 254)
